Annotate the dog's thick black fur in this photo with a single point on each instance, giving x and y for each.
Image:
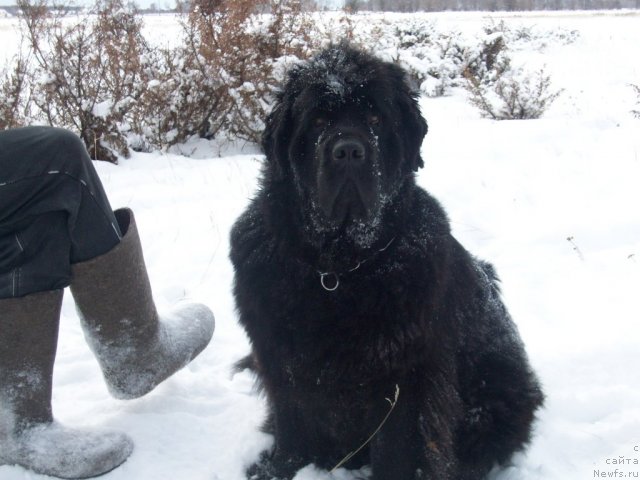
(349, 283)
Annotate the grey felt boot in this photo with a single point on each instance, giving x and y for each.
(29, 436)
(136, 348)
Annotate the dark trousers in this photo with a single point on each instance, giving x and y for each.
(53, 210)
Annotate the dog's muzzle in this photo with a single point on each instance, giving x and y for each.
(348, 178)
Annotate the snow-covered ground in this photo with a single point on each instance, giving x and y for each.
(553, 203)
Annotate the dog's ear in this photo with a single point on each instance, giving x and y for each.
(414, 126)
(276, 136)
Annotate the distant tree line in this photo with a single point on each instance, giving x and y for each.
(409, 5)
(490, 5)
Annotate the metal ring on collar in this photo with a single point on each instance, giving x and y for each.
(323, 276)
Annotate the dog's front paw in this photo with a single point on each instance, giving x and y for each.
(274, 467)
(261, 471)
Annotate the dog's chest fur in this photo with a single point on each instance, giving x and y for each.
(377, 323)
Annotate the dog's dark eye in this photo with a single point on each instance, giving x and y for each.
(319, 122)
(374, 120)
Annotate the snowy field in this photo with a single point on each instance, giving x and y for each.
(553, 203)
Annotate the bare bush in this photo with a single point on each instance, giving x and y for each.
(96, 74)
(500, 91)
(91, 71)
(517, 95)
(218, 82)
(213, 33)
(282, 32)
(14, 100)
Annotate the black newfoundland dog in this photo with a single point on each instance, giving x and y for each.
(377, 338)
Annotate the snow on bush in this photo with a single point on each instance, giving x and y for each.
(498, 89)
(513, 95)
(87, 73)
(99, 76)
(434, 59)
(637, 89)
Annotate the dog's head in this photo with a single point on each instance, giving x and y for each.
(346, 130)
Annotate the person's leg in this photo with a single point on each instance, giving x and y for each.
(29, 435)
(53, 210)
(35, 258)
(48, 194)
(135, 346)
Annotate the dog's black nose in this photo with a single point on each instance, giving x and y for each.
(349, 150)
